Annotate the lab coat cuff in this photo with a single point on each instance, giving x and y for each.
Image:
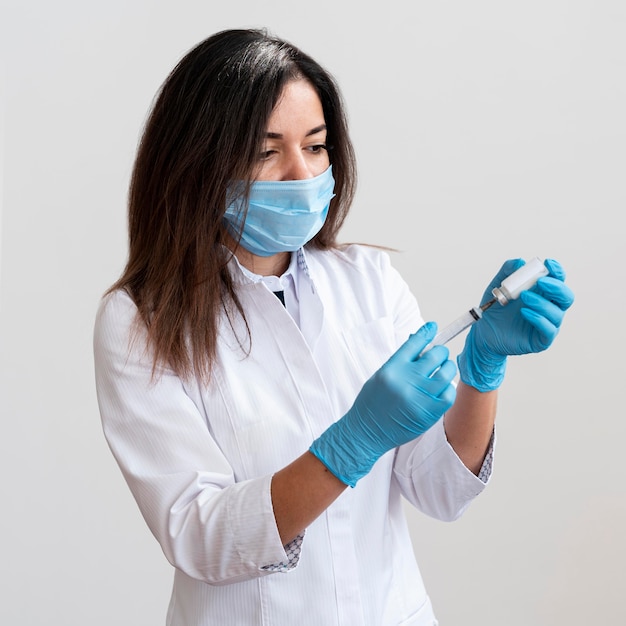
(255, 534)
(440, 440)
(434, 478)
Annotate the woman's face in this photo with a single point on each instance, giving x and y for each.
(295, 141)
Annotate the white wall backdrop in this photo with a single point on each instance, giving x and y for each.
(484, 130)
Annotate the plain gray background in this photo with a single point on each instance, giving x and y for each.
(484, 130)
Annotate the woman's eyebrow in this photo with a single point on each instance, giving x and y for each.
(313, 131)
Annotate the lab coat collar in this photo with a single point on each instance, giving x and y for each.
(310, 306)
(298, 268)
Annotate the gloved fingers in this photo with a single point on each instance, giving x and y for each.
(415, 344)
(555, 269)
(448, 396)
(439, 392)
(439, 404)
(544, 327)
(435, 383)
(431, 360)
(446, 373)
(543, 307)
(556, 291)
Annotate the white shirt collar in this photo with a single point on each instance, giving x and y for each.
(291, 278)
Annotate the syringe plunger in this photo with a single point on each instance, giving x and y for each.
(456, 327)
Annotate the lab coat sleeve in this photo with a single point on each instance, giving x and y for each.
(209, 526)
(428, 470)
(434, 479)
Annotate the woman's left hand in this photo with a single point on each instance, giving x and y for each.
(528, 324)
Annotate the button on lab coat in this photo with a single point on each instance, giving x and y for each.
(199, 457)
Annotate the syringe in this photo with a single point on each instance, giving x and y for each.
(523, 278)
(460, 324)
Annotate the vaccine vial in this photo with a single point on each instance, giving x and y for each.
(523, 278)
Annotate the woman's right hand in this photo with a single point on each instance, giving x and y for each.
(402, 400)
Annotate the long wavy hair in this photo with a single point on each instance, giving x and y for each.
(206, 128)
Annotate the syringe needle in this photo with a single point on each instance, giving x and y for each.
(484, 307)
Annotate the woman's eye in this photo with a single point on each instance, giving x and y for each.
(317, 148)
(266, 154)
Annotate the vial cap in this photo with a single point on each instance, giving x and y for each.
(523, 278)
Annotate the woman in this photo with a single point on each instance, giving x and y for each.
(250, 369)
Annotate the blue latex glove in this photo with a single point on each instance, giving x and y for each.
(528, 324)
(402, 400)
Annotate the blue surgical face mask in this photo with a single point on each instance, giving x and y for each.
(282, 215)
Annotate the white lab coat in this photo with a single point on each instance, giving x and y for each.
(199, 458)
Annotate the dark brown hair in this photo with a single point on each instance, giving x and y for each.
(206, 128)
